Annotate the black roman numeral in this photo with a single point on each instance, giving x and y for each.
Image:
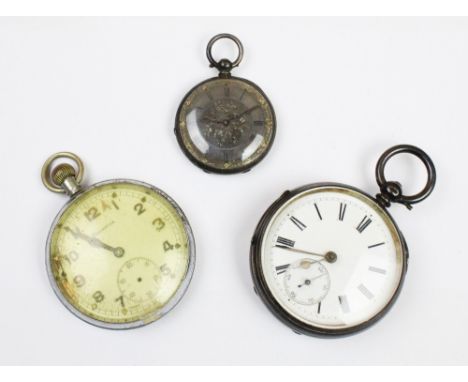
(363, 224)
(298, 223)
(259, 123)
(227, 91)
(282, 268)
(375, 245)
(342, 211)
(319, 305)
(318, 211)
(285, 242)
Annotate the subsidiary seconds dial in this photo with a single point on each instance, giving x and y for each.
(306, 281)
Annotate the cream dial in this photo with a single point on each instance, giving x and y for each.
(119, 253)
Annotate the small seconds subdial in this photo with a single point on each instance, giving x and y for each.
(139, 280)
(307, 281)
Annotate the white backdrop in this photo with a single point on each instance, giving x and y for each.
(344, 90)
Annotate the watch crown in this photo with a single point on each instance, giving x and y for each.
(62, 172)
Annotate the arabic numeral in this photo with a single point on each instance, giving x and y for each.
(79, 281)
(92, 214)
(121, 301)
(166, 271)
(139, 208)
(167, 246)
(159, 224)
(98, 296)
(73, 255)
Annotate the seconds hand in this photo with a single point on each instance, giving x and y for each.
(310, 280)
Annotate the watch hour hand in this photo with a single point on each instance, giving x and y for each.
(206, 119)
(95, 242)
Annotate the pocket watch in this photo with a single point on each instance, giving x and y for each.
(225, 124)
(327, 259)
(120, 253)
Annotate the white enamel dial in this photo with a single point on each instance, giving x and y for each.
(331, 257)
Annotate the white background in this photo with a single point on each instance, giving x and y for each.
(344, 90)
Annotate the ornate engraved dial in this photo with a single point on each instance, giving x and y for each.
(225, 124)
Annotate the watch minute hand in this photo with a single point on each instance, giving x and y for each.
(244, 112)
(298, 250)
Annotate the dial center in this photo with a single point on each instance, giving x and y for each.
(119, 252)
(331, 257)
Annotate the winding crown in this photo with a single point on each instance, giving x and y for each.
(62, 172)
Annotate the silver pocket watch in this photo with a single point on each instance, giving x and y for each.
(327, 259)
(225, 124)
(120, 253)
